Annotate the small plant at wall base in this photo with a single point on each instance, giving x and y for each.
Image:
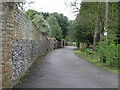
(21, 80)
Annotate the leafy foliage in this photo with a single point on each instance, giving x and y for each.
(108, 52)
(63, 22)
(39, 22)
(90, 25)
(52, 24)
(31, 13)
(55, 28)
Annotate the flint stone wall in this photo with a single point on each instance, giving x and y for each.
(24, 54)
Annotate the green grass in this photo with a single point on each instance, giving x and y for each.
(94, 59)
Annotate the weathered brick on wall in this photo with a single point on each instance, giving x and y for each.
(0, 54)
(0, 46)
(7, 37)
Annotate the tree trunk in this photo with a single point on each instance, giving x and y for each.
(78, 45)
(101, 22)
(96, 33)
(106, 18)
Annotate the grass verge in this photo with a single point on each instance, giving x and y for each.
(96, 61)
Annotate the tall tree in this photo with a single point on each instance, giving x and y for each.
(63, 22)
(39, 22)
(56, 31)
(92, 18)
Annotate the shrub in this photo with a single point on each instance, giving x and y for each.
(108, 52)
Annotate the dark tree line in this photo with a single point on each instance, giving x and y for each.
(52, 24)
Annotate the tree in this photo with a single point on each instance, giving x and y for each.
(31, 13)
(63, 22)
(90, 24)
(91, 21)
(56, 31)
(46, 15)
(39, 22)
(71, 35)
(23, 3)
(41, 19)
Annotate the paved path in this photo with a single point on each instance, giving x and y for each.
(61, 68)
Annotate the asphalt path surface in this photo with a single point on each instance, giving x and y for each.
(61, 68)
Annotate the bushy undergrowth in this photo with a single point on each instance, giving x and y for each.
(108, 53)
(95, 60)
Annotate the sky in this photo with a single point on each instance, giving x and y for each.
(53, 6)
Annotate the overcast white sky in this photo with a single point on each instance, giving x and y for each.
(54, 6)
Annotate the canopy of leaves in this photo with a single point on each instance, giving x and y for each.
(31, 13)
(91, 23)
(91, 16)
(63, 22)
(55, 28)
(39, 22)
